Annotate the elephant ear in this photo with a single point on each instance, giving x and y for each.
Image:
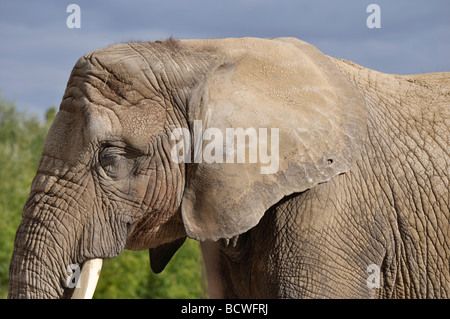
(161, 255)
(304, 112)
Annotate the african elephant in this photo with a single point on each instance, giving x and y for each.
(354, 202)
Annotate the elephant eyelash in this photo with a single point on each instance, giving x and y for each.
(109, 160)
(118, 162)
(122, 150)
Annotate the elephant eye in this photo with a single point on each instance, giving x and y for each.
(109, 159)
(110, 156)
(117, 162)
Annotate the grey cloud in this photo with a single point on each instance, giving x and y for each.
(38, 50)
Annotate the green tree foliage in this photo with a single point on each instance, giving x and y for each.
(130, 276)
(127, 276)
(21, 140)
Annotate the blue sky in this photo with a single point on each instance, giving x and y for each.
(38, 50)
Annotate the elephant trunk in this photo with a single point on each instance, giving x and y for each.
(59, 233)
(45, 254)
(35, 271)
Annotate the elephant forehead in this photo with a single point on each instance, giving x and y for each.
(101, 123)
(140, 123)
(117, 74)
(135, 125)
(114, 91)
(119, 60)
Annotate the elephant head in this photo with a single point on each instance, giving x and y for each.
(107, 179)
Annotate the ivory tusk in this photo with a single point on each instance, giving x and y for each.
(90, 272)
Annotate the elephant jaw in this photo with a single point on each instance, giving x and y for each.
(90, 272)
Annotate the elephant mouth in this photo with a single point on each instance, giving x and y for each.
(90, 273)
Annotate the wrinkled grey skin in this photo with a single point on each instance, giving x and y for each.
(375, 192)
